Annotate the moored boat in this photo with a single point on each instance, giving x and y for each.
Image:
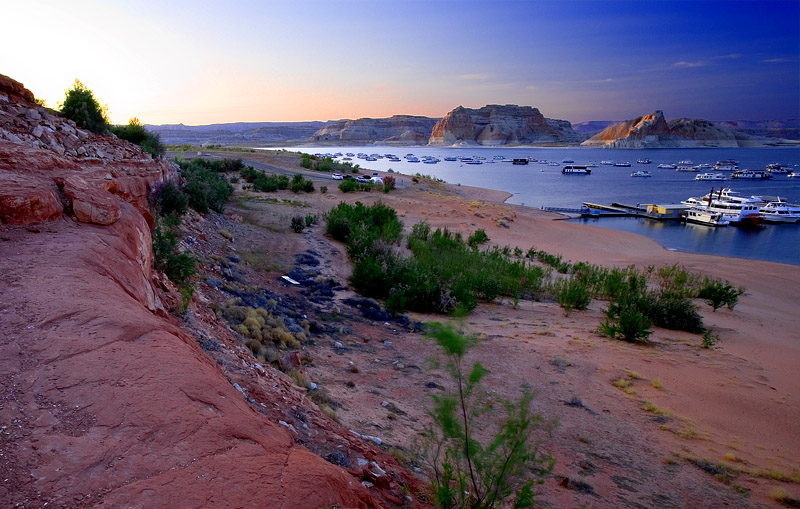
(623, 165)
(572, 169)
(668, 166)
(726, 165)
(736, 209)
(699, 215)
(779, 211)
(710, 176)
(751, 175)
(644, 160)
(641, 173)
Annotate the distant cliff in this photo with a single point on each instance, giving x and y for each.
(785, 129)
(399, 129)
(239, 133)
(500, 125)
(653, 131)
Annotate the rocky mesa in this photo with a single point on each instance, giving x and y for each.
(500, 125)
(105, 398)
(653, 131)
(395, 130)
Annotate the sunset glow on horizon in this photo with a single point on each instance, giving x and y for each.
(249, 61)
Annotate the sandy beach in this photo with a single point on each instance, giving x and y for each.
(686, 411)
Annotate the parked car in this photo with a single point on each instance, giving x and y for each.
(376, 180)
(362, 180)
(337, 176)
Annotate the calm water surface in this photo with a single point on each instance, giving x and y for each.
(539, 185)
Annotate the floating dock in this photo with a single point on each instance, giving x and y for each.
(666, 212)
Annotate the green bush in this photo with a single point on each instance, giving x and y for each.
(626, 322)
(389, 183)
(135, 132)
(83, 108)
(675, 313)
(467, 470)
(297, 224)
(299, 183)
(205, 187)
(572, 293)
(178, 266)
(717, 293)
(478, 237)
(169, 200)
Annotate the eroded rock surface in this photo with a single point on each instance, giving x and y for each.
(105, 400)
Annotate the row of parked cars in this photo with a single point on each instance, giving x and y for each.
(375, 179)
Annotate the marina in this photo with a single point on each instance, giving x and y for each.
(539, 183)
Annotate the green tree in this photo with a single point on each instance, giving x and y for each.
(465, 472)
(82, 107)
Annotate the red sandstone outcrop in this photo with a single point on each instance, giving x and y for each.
(399, 129)
(653, 131)
(500, 125)
(104, 399)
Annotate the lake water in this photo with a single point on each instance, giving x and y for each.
(541, 185)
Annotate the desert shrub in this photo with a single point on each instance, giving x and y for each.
(675, 313)
(477, 237)
(178, 266)
(323, 189)
(306, 161)
(135, 132)
(571, 293)
(348, 186)
(465, 470)
(168, 200)
(297, 224)
(205, 187)
(717, 293)
(379, 219)
(626, 322)
(310, 219)
(299, 183)
(81, 106)
(389, 183)
(710, 339)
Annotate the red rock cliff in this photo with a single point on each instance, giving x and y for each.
(102, 400)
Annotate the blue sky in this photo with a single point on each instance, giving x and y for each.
(206, 62)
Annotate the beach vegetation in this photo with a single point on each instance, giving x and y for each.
(327, 164)
(82, 107)
(710, 339)
(717, 293)
(465, 470)
(297, 224)
(477, 238)
(571, 294)
(389, 183)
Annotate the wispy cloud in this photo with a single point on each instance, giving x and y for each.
(776, 60)
(685, 64)
(733, 55)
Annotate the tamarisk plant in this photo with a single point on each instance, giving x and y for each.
(464, 471)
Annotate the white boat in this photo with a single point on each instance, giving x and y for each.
(668, 166)
(710, 176)
(683, 167)
(726, 165)
(778, 211)
(412, 159)
(572, 169)
(704, 167)
(623, 165)
(775, 168)
(699, 215)
(792, 174)
(607, 163)
(751, 175)
(450, 158)
(685, 162)
(641, 173)
(643, 161)
(733, 207)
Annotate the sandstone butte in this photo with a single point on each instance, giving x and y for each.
(104, 399)
(653, 131)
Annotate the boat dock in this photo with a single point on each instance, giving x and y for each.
(667, 212)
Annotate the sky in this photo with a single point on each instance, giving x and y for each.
(202, 62)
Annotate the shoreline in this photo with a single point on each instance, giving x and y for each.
(734, 405)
